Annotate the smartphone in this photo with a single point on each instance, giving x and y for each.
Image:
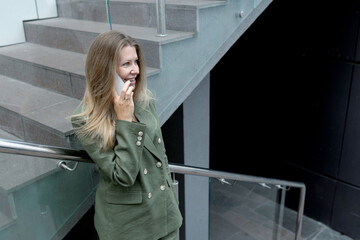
(119, 84)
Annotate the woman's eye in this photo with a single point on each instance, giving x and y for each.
(126, 64)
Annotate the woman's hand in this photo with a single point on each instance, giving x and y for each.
(124, 103)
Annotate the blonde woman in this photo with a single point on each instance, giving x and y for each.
(119, 129)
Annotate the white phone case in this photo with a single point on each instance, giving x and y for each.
(119, 84)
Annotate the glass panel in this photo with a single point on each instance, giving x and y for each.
(37, 199)
(240, 210)
(256, 3)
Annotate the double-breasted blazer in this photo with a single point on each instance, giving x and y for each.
(135, 198)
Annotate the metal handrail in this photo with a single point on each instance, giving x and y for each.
(44, 151)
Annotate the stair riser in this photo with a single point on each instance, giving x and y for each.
(11, 122)
(65, 39)
(38, 133)
(62, 82)
(28, 130)
(78, 41)
(85, 10)
(181, 18)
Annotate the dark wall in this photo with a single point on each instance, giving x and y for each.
(285, 104)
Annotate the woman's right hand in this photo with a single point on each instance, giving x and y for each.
(124, 103)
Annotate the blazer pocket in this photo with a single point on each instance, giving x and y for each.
(120, 197)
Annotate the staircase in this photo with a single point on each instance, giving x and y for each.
(42, 81)
(43, 78)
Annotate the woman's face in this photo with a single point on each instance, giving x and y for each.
(128, 67)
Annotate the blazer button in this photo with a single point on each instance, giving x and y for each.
(149, 195)
(159, 164)
(159, 140)
(138, 143)
(140, 133)
(162, 187)
(145, 171)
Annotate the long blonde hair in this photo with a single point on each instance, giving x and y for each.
(98, 116)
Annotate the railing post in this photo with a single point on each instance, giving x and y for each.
(161, 20)
(300, 213)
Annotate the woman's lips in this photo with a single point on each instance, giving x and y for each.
(132, 82)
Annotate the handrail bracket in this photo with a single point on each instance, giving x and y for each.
(62, 164)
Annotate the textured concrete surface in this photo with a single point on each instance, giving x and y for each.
(42, 108)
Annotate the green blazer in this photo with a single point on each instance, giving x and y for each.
(135, 198)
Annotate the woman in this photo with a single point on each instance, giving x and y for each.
(135, 198)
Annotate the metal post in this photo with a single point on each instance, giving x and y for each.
(279, 214)
(300, 213)
(161, 20)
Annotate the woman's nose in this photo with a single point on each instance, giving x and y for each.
(135, 69)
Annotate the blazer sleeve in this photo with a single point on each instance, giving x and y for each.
(120, 165)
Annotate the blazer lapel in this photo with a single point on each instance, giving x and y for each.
(149, 145)
(145, 117)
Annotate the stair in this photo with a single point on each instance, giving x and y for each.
(44, 79)
(34, 114)
(199, 33)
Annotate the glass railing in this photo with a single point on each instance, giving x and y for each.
(239, 210)
(242, 205)
(38, 198)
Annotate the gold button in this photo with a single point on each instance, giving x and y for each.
(149, 195)
(145, 171)
(159, 140)
(162, 187)
(140, 133)
(159, 164)
(138, 143)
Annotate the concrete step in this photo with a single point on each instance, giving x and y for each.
(34, 114)
(181, 15)
(77, 35)
(53, 69)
